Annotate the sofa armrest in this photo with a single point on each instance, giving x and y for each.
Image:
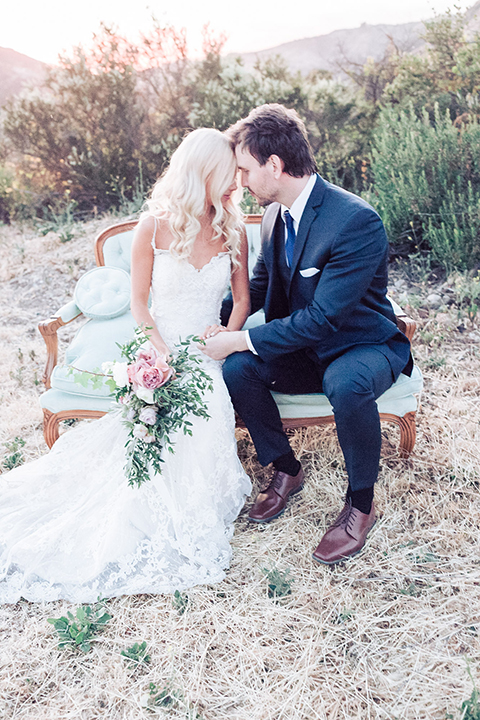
(405, 323)
(48, 329)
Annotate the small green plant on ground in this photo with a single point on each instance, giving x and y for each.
(279, 583)
(471, 708)
(77, 631)
(136, 655)
(180, 601)
(14, 456)
(345, 615)
(169, 697)
(467, 290)
(60, 220)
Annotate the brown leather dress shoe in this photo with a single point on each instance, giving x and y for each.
(346, 537)
(271, 503)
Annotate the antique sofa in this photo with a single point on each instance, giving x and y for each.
(101, 299)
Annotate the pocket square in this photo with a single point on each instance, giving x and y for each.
(309, 272)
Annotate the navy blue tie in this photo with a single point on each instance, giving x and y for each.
(291, 235)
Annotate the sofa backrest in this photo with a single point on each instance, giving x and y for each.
(113, 246)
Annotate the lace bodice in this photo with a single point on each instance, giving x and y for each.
(187, 300)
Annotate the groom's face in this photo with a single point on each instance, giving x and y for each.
(261, 180)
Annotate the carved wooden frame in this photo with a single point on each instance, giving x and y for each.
(49, 328)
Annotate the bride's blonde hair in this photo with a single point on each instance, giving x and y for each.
(202, 167)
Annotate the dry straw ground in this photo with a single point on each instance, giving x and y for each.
(385, 635)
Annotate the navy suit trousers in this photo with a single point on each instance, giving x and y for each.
(352, 383)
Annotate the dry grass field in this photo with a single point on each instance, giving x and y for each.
(390, 634)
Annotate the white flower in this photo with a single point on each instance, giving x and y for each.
(130, 415)
(144, 394)
(140, 431)
(120, 375)
(107, 367)
(148, 415)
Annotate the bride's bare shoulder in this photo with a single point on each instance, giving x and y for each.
(154, 231)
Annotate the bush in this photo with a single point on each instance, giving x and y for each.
(427, 184)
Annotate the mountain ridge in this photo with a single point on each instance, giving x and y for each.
(322, 52)
(17, 71)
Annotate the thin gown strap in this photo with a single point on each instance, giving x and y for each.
(154, 233)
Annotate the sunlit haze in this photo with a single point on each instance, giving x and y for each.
(44, 29)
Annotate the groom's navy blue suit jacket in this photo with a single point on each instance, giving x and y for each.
(335, 296)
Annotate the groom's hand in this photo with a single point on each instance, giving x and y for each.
(224, 344)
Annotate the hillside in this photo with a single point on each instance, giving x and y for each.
(357, 44)
(18, 71)
(325, 52)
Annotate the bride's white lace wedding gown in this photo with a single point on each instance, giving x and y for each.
(70, 525)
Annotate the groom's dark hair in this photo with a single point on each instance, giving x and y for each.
(275, 130)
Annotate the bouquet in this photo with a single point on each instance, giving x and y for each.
(155, 398)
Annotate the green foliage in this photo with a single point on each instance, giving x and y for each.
(448, 74)
(470, 708)
(14, 456)
(169, 697)
(180, 601)
(9, 197)
(77, 631)
(107, 120)
(279, 583)
(166, 697)
(136, 655)
(60, 218)
(427, 184)
(467, 294)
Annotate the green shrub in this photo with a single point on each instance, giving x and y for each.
(427, 184)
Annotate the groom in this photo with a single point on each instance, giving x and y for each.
(321, 278)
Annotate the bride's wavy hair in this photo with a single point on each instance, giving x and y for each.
(203, 166)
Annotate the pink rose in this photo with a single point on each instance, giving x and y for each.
(147, 356)
(133, 369)
(152, 377)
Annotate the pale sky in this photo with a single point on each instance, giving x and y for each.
(43, 29)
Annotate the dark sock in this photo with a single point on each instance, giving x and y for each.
(287, 464)
(361, 499)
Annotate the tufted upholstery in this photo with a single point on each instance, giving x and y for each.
(93, 344)
(103, 292)
(118, 249)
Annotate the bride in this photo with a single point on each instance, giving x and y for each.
(70, 525)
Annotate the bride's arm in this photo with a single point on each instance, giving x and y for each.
(141, 275)
(240, 289)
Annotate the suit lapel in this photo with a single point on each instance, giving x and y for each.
(308, 216)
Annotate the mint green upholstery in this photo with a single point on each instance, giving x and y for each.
(397, 400)
(103, 293)
(95, 342)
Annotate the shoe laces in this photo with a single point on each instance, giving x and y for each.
(277, 481)
(345, 516)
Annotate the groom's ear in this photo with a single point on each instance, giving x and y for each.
(276, 163)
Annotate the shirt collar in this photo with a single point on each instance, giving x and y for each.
(298, 205)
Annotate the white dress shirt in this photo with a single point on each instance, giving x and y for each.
(296, 212)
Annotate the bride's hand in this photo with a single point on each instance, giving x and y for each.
(212, 330)
(164, 352)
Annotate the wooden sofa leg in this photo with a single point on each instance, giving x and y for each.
(408, 432)
(50, 427)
